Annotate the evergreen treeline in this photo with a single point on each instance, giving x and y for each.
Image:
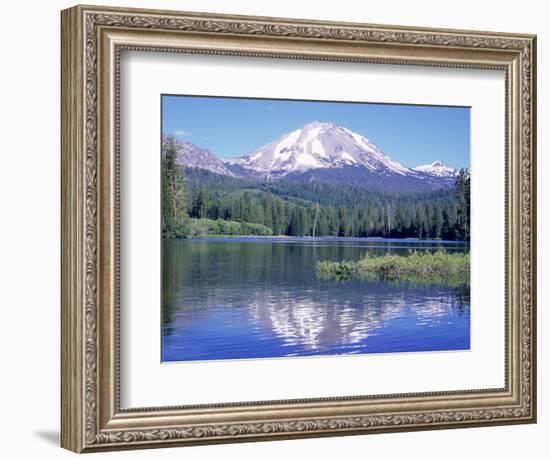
(174, 198)
(308, 209)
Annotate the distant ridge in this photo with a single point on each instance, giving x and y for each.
(191, 155)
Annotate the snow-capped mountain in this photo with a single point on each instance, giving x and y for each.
(437, 169)
(324, 152)
(321, 152)
(191, 155)
(319, 145)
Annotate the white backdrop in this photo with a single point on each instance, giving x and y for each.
(146, 75)
(29, 245)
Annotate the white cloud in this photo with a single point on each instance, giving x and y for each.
(181, 133)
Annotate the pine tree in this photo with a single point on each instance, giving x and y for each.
(268, 210)
(200, 204)
(174, 195)
(437, 223)
(418, 221)
(295, 227)
(462, 193)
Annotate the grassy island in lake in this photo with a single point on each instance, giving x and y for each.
(416, 267)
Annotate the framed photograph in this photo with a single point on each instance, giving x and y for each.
(278, 228)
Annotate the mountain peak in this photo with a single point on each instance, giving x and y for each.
(322, 124)
(437, 168)
(319, 145)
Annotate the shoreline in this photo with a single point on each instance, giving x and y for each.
(310, 238)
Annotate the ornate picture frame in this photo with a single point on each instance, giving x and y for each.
(93, 39)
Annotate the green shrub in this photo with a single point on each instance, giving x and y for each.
(200, 228)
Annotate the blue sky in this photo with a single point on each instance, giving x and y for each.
(410, 134)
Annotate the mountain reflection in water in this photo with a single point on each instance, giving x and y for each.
(260, 297)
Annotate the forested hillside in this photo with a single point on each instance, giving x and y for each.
(198, 203)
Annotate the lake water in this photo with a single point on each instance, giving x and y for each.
(255, 297)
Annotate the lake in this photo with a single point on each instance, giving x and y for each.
(260, 297)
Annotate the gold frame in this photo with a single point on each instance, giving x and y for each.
(92, 39)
